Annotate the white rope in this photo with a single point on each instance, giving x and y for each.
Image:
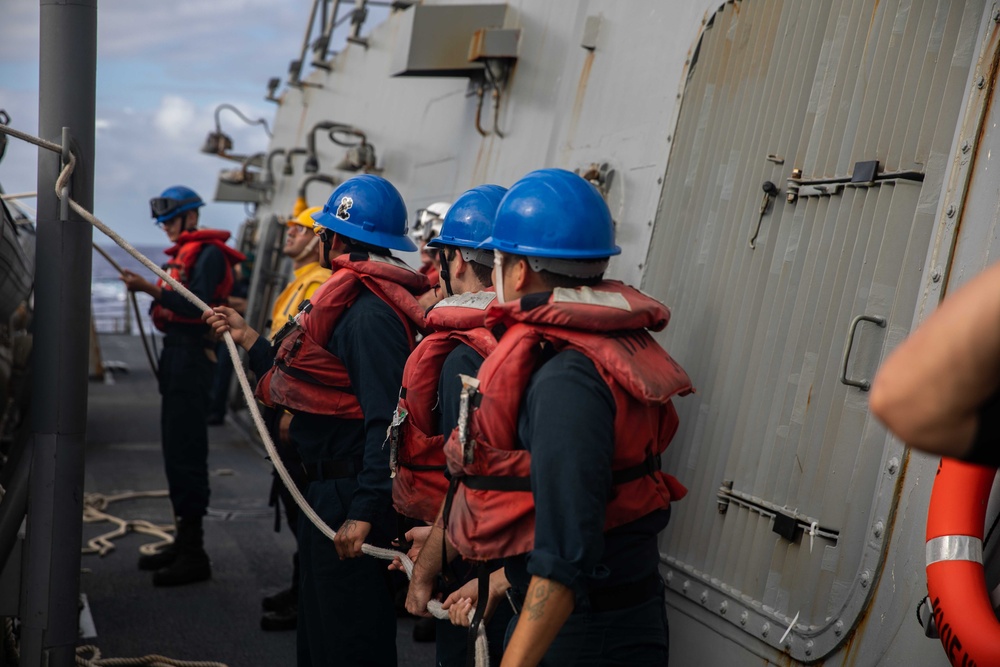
(62, 189)
(94, 505)
(90, 656)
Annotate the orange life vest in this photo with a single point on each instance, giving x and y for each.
(417, 454)
(184, 255)
(305, 376)
(492, 513)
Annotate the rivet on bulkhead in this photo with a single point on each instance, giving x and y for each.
(744, 617)
(866, 578)
(892, 466)
(838, 628)
(951, 211)
(704, 597)
(879, 529)
(766, 628)
(724, 607)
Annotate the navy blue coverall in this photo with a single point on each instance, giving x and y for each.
(186, 372)
(346, 607)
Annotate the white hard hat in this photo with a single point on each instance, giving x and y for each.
(429, 221)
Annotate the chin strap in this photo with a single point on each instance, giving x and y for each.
(309, 249)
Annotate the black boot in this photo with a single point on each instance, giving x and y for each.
(164, 557)
(191, 563)
(289, 597)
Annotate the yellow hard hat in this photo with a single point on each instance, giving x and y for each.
(305, 217)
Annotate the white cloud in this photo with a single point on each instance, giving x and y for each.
(174, 116)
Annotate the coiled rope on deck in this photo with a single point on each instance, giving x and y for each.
(94, 506)
(62, 192)
(90, 656)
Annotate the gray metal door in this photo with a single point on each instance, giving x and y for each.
(783, 305)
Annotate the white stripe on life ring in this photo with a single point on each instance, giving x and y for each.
(954, 547)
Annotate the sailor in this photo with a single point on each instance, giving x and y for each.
(302, 247)
(939, 391)
(339, 373)
(558, 465)
(428, 404)
(425, 229)
(201, 261)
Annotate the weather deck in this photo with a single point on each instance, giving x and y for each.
(216, 620)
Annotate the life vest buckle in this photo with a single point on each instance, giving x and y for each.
(394, 437)
(467, 401)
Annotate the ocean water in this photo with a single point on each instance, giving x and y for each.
(112, 309)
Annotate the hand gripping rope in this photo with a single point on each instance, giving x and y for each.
(62, 192)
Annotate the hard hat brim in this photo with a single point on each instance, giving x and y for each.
(359, 233)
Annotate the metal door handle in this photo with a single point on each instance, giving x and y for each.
(863, 385)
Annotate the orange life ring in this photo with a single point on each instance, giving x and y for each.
(963, 613)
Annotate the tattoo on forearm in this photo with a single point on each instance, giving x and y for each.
(540, 592)
(348, 527)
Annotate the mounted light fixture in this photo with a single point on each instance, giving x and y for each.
(219, 143)
(287, 170)
(360, 153)
(359, 158)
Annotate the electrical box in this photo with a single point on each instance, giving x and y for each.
(494, 43)
(435, 39)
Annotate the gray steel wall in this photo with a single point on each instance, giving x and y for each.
(818, 87)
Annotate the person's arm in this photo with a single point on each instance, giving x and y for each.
(930, 390)
(373, 345)
(209, 270)
(462, 603)
(546, 607)
(568, 425)
(425, 569)
(260, 353)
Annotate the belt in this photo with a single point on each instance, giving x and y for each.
(610, 598)
(332, 469)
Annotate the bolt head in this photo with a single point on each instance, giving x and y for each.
(980, 82)
(951, 211)
(966, 146)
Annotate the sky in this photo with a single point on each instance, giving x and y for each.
(162, 69)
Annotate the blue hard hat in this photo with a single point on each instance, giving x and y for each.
(175, 200)
(469, 221)
(369, 209)
(554, 213)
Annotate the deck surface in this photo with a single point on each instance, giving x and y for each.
(216, 620)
